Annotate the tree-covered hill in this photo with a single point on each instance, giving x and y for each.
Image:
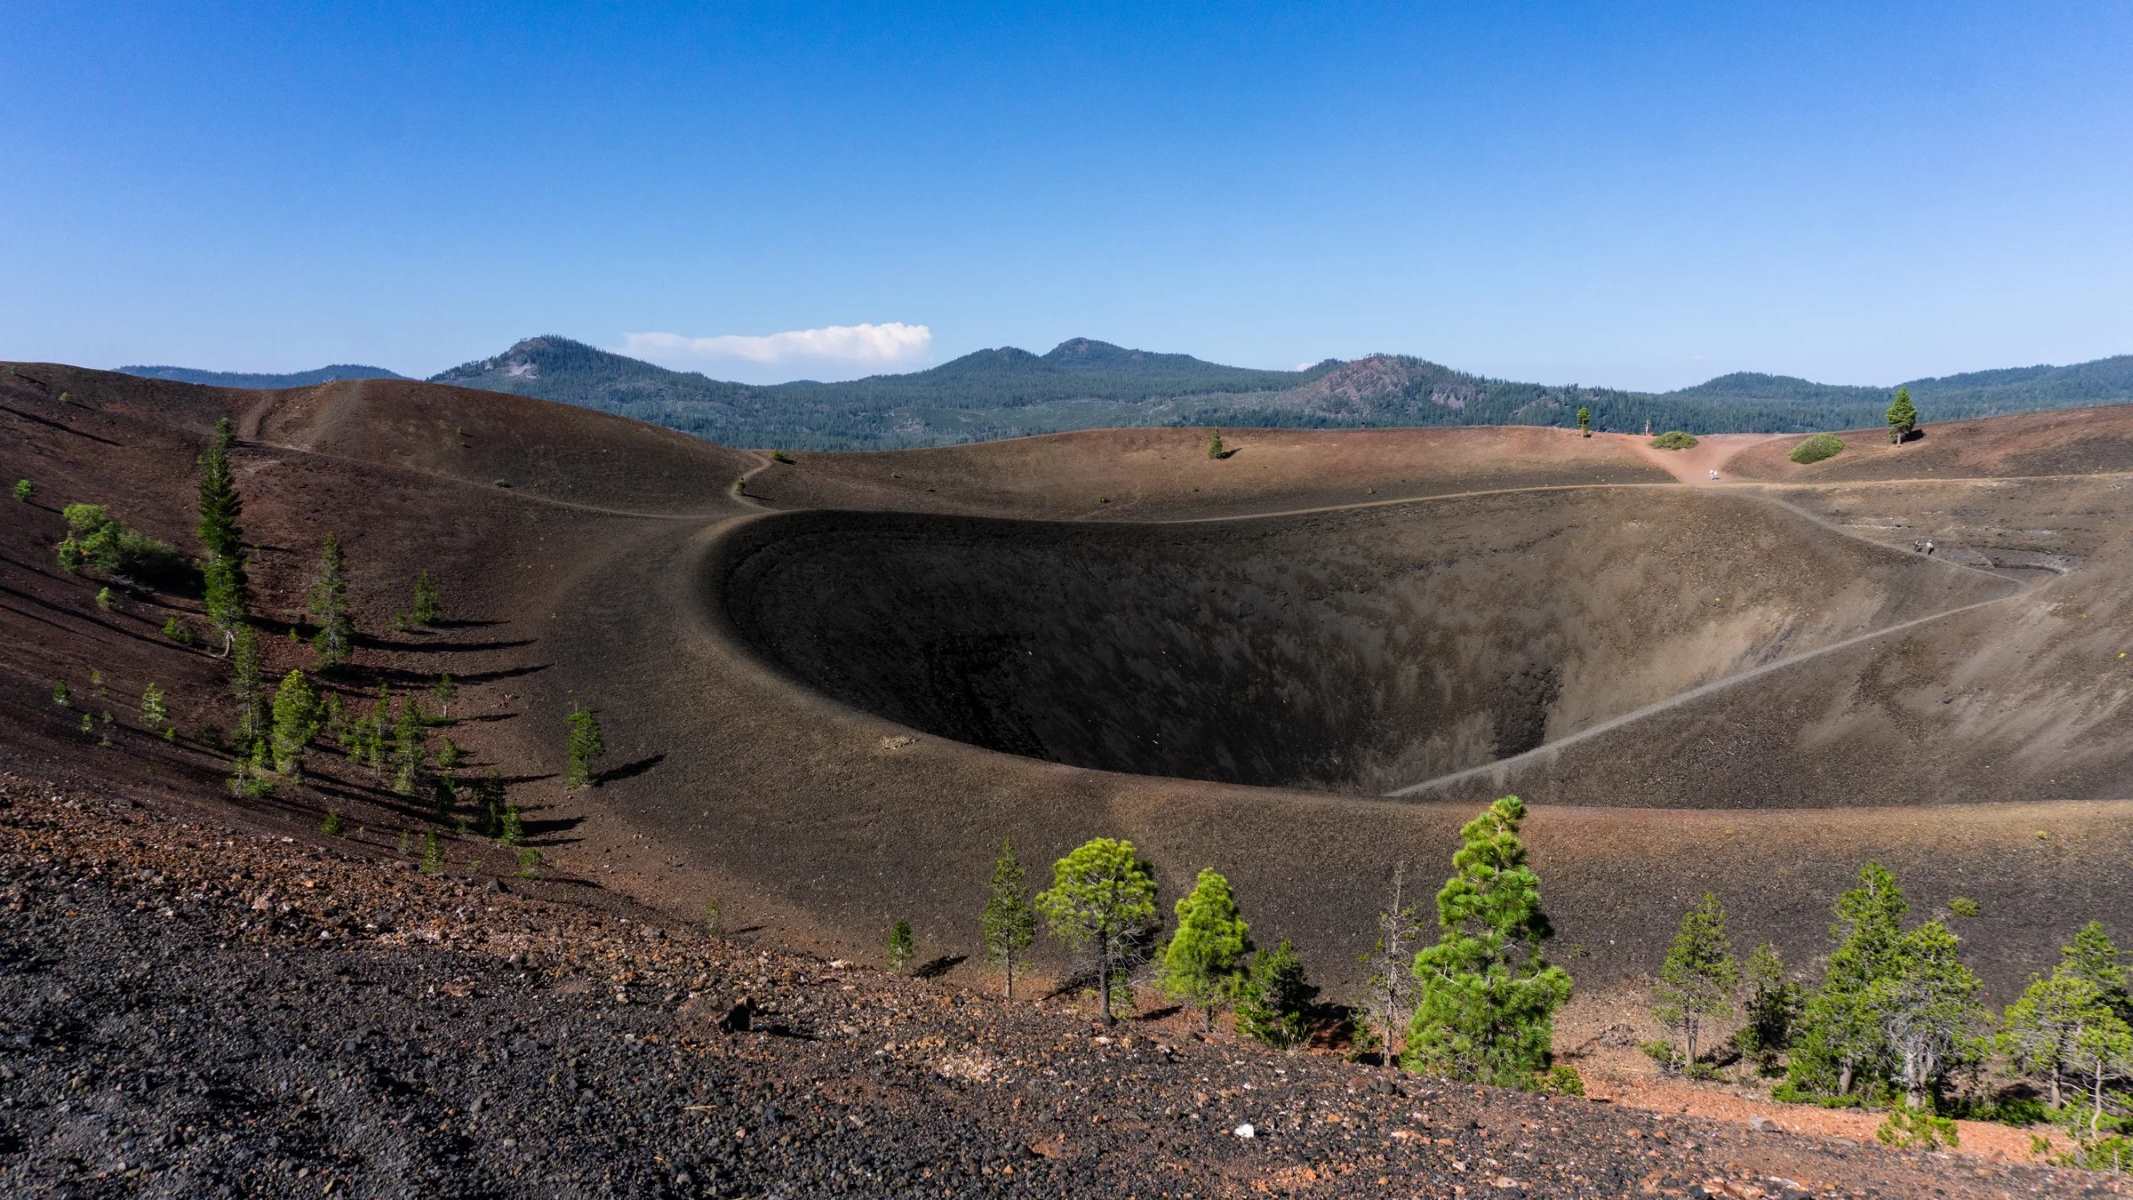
(262, 382)
(1082, 384)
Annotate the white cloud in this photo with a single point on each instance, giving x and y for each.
(867, 347)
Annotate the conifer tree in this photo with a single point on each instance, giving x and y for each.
(1584, 421)
(246, 680)
(1928, 1010)
(1840, 1038)
(1204, 964)
(410, 751)
(2039, 1030)
(584, 746)
(295, 718)
(1697, 981)
(227, 597)
(2103, 1055)
(1277, 1003)
(1102, 901)
(1009, 924)
(1488, 995)
(1390, 990)
(335, 638)
(902, 946)
(1773, 1007)
(2093, 956)
(154, 713)
(220, 507)
(428, 604)
(445, 692)
(1902, 415)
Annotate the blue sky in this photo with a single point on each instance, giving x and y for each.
(1642, 196)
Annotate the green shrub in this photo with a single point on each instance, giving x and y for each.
(1706, 1072)
(780, 456)
(529, 863)
(1664, 1055)
(1563, 1080)
(1964, 906)
(95, 539)
(178, 631)
(2114, 1154)
(331, 826)
(59, 694)
(1817, 448)
(1673, 439)
(24, 489)
(103, 598)
(1910, 1128)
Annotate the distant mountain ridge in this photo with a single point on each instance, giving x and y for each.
(1083, 383)
(262, 382)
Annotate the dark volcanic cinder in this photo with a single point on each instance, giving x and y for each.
(1355, 650)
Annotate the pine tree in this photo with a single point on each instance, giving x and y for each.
(445, 691)
(2039, 1030)
(1902, 415)
(585, 745)
(1584, 420)
(1102, 901)
(2093, 956)
(902, 946)
(1773, 1007)
(2086, 991)
(295, 717)
(1390, 989)
(410, 748)
(154, 713)
(1009, 924)
(1214, 446)
(1489, 996)
(220, 507)
(227, 594)
(2103, 1054)
(247, 677)
(1928, 1010)
(1204, 964)
(432, 853)
(1697, 981)
(335, 638)
(1277, 1003)
(428, 603)
(1840, 1038)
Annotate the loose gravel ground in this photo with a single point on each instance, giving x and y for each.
(193, 1010)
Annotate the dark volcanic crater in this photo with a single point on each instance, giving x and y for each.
(1354, 650)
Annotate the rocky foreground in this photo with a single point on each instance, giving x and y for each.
(193, 1010)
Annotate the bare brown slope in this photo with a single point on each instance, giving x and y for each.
(2075, 441)
(1137, 474)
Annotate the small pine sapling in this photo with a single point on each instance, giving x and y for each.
(902, 946)
(432, 853)
(585, 745)
(24, 489)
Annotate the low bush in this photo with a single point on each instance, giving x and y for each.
(1673, 439)
(1662, 1054)
(1562, 1080)
(1817, 448)
(1964, 906)
(98, 541)
(1910, 1128)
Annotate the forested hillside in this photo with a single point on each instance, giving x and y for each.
(262, 382)
(1083, 384)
